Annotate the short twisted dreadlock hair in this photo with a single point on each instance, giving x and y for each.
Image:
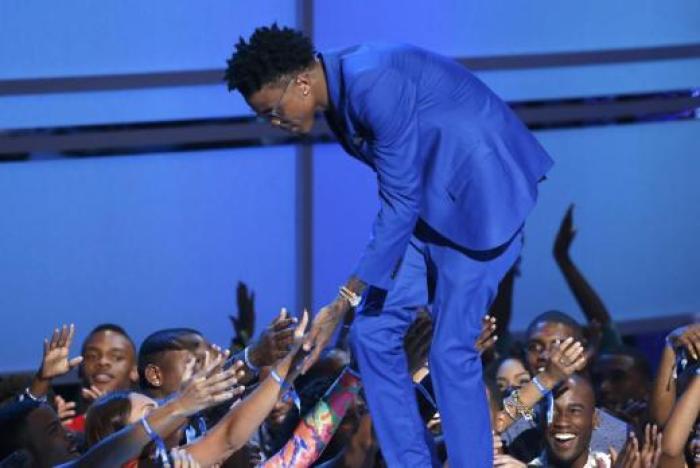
(270, 54)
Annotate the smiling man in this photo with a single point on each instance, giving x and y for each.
(568, 436)
(109, 359)
(457, 174)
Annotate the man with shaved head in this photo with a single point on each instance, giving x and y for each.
(568, 435)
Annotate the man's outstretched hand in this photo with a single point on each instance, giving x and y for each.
(275, 342)
(322, 328)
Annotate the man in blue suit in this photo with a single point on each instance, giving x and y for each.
(457, 173)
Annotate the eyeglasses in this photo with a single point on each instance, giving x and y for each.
(276, 113)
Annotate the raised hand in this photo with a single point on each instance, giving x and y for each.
(566, 358)
(497, 444)
(633, 411)
(64, 409)
(55, 360)
(275, 342)
(565, 235)
(324, 324)
(487, 337)
(296, 352)
(687, 337)
(417, 341)
(208, 387)
(244, 324)
(92, 393)
(651, 451)
(628, 457)
(181, 458)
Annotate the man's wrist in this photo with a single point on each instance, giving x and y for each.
(39, 385)
(250, 358)
(547, 380)
(178, 408)
(356, 285)
(34, 394)
(39, 376)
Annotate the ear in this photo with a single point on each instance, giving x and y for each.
(596, 419)
(303, 80)
(153, 375)
(134, 374)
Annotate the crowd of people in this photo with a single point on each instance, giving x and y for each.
(564, 394)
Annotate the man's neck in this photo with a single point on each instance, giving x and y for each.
(579, 462)
(320, 86)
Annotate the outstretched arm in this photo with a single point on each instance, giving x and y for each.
(663, 395)
(236, 428)
(588, 299)
(207, 388)
(566, 359)
(318, 427)
(680, 424)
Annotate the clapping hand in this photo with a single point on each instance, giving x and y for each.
(634, 456)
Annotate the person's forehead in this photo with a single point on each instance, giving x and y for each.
(576, 391)
(551, 330)
(609, 362)
(173, 355)
(511, 366)
(108, 339)
(42, 417)
(264, 98)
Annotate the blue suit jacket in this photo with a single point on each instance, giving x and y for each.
(444, 147)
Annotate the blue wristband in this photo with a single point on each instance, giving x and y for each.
(161, 450)
(541, 388)
(289, 392)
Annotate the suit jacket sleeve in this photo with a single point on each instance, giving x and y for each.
(384, 103)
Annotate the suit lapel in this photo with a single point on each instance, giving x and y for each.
(337, 115)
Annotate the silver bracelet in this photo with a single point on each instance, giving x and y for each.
(350, 296)
(246, 359)
(28, 394)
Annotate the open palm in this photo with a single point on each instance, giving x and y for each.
(55, 361)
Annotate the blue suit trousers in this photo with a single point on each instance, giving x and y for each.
(461, 285)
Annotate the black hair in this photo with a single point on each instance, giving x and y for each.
(641, 362)
(556, 316)
(13, 418)
(109, 414)
(491, 369)
(270, 54)
(158, 343)
(495, 394)
(108, 327)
